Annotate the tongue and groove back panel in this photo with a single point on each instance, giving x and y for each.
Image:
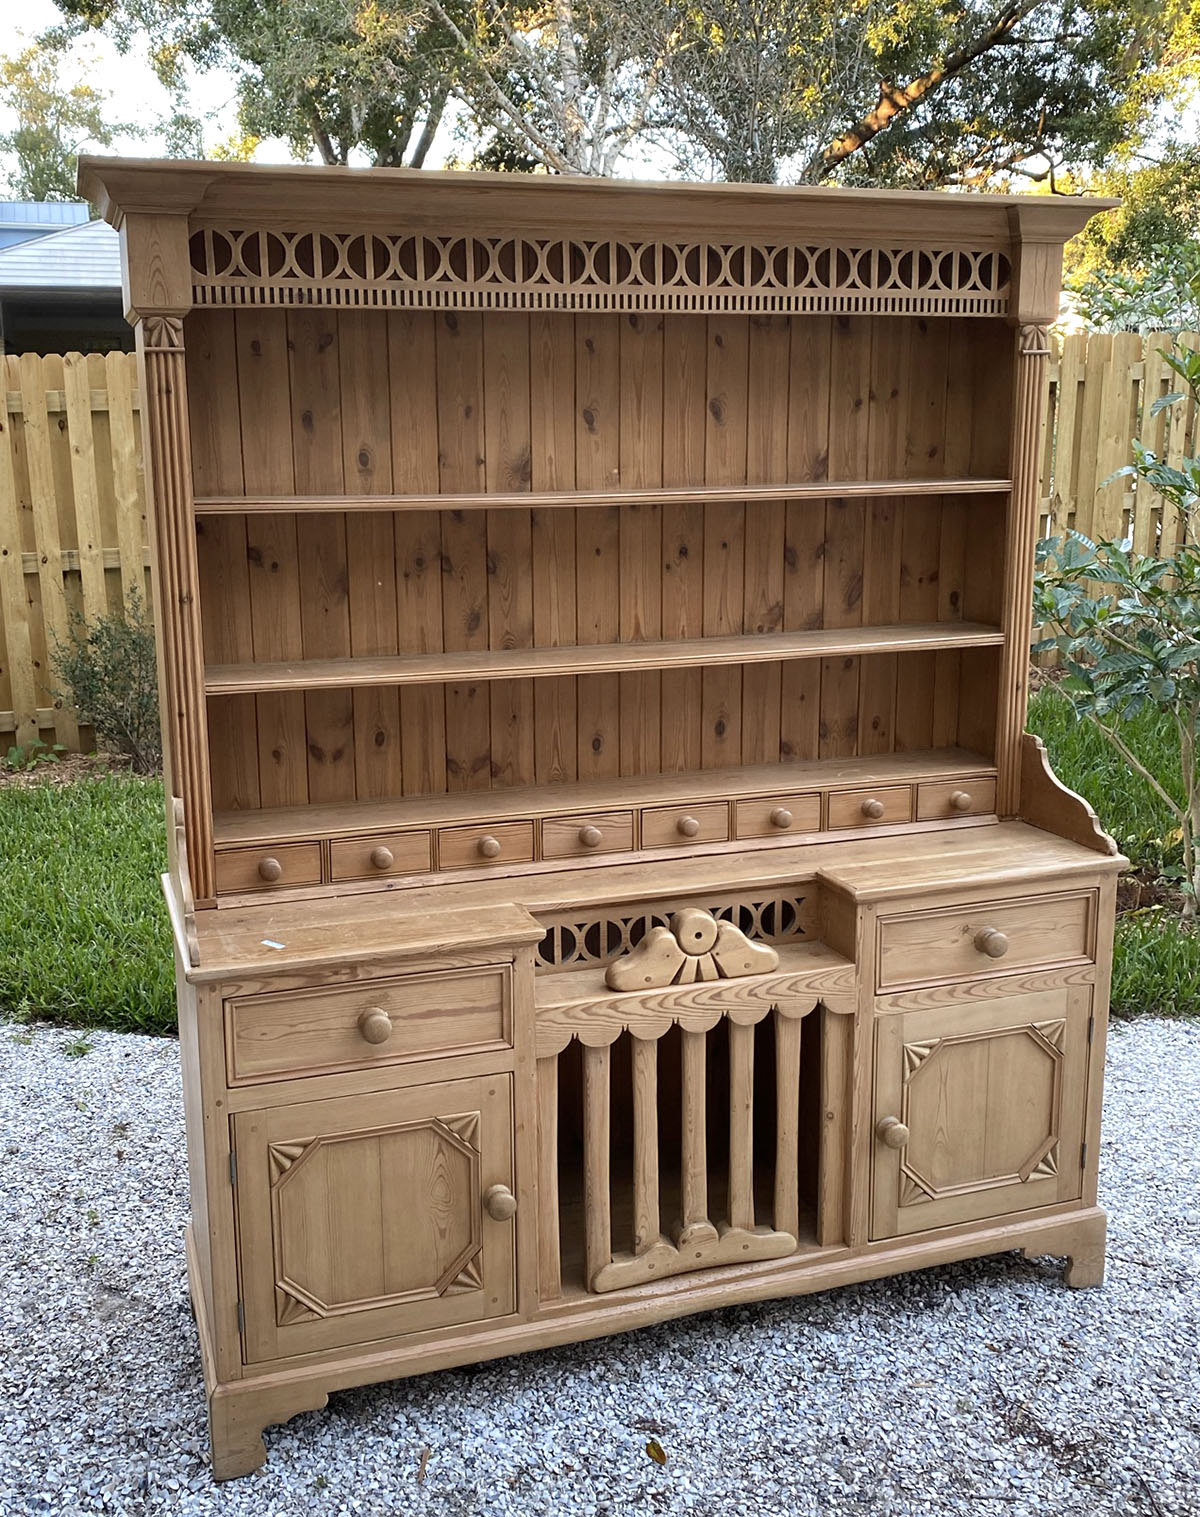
(322, 402)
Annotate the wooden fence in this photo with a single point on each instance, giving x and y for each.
(72, 499)
(72, 521)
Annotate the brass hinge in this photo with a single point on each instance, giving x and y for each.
(1083, 1156)
(241, 1310)
(232, 1167)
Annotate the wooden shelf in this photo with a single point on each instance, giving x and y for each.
(345, 819)
(822, 489)
(604, 658)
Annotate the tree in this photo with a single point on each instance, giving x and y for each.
(923, 93)
(330, 76)
(54, 122)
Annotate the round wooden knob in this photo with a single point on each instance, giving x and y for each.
(892, 1132)
(489, 847)
(992, 941)
(499, 1203)
(781, 817)
(590, 837)
(960, 801)
(382, 858)
(687, 826)
(270, 870)
(375, 1025)
(872, 808)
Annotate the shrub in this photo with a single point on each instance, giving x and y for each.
(108, 667)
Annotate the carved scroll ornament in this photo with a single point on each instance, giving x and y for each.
(694, 947)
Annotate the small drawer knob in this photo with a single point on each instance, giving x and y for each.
(489, 847)
(892, 1132)
(872, 808)
(499, 1203)
(382, 858)
(960, 801)
(270, 870)
(375, 1025)
(992, 941)
(591, 837)
(687, 826)
(781, 817)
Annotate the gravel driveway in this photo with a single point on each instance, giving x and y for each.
(978, 1388)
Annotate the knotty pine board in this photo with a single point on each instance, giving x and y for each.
(421, 402)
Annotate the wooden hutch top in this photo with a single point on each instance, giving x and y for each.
(711, 507)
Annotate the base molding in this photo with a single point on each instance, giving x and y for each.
(239, 1410)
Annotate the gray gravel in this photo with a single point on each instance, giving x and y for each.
(978, 1388)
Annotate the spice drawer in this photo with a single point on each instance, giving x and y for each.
(768, 816)
(705, 823)
(388, 853)
(419, 1016)
(578, 836)
(241, 869)
(986, 937)
(950, 798)
(870, 808)
(503, 843)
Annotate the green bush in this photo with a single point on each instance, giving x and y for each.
(109, 670)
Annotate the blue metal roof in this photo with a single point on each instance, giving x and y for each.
(80, 259)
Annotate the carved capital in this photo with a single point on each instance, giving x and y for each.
(1035, 342)
(163, 334)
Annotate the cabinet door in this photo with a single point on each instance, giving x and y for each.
(992, 1097)
(362, 1218)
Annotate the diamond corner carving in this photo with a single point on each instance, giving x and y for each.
(1047, 1167)
(912, 1193)
(163, 333)
(469, 1278)
(465, 1126)
(694, 948)
(915, 1055)
(1053, 1031)
(290, 1308)
(281, 1156)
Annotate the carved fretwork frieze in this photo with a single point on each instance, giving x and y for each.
(471, 271)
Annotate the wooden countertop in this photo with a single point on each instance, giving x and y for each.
(285, 937)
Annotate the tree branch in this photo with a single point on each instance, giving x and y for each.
(894, 99)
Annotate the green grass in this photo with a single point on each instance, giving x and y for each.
(84, 937)
(1156, 964)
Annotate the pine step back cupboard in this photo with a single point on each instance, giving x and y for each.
(609, 875)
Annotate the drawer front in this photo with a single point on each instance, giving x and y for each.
(306, 1032)
(378, 857)
(938, 799)
(471, 847)
(990, 937)
(666, 825)
(870, 808)
(767, 816)
(268, 868)
(566, 837)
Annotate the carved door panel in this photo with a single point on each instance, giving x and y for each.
(979, 1109)
(362, 1218)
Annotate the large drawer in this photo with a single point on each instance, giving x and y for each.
(418, 1016)
(986, 937)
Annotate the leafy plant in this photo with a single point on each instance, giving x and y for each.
(1163, 295)
(1128, 629)
(23, 757)
(110, 673)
